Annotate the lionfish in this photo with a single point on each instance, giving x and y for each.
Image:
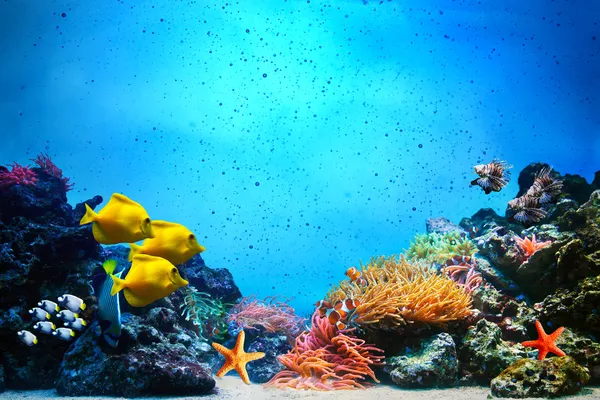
(544, 187)
(526, 209)
(493, 176)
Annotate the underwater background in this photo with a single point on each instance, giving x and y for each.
(343, 168)
(297, 138)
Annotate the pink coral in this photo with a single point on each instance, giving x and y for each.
(271, 314)
(327, 359)
(46, 164)
(529, 246)
(19, 175)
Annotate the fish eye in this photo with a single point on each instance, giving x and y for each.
(192, 236)
(147, 220)
(174, 270)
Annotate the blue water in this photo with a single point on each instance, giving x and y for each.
(297, 138)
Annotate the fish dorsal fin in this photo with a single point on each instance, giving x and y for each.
(121, 198)
(109, 266)
(164, 224)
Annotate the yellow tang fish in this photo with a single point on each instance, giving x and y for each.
(149, 279)
(173, 242)
(122, 220)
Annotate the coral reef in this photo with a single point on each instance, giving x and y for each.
(208, 315)
(399, 291)
(435, 364)
(44, 162)
(155, 356)
(272, 315)
(326, 359)
(272, 345)
(437, 248)
(216, 282)
(18, 175)
(552, 377)
(483, 354)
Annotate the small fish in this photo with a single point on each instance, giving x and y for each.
(173, 242)
(77, 325)
(65, 334)
(526, 210)
(71, 303)
(458, 260)
(67, 315)
(45, 327)
(545, 188)
(39, 314)
(149, 279)
(492, 177)
(109, 307)
(49, 306)
(27, 337)
(336, 318)
(356, 276)
(122, 220)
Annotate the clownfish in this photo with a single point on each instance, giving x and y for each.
(459, 260)
(339, 313)
(356, 276)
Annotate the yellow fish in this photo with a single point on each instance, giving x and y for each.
(173, 242)
(149, 279)
(122, 220)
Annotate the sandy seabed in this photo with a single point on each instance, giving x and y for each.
(231, 387)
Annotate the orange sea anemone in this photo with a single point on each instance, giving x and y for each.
(529, 246)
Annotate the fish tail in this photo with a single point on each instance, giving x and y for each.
(118, 285)
(109, 266)
(90, 216)
(135, 249)
(35, 341)
(83, 306)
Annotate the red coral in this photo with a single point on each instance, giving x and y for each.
(19, 175)
(46, 164)
(271, 314)
(326, 359)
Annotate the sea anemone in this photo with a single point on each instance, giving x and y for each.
(437, 248)
(493, 176)
(206, 313)
(529, 246)
(327, 359)
(545, 188)
(526, 209)
(19, 175)
(398, 291)
(270, 314)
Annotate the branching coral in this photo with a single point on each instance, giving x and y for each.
(399, 292)
(529, 246)
(326, 359)
(18, 175)
(206, 313)
(271, 314)
(45, 163)
(436, 248)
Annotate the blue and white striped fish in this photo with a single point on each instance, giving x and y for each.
(109, 309)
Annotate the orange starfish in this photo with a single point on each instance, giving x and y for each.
(236, 358)
(545, 343)
(528, 247)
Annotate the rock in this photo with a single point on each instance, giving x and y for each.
(2, 387)
(483, 354)
(584, 351)
(442, 225)
(79, 210)
(585, 222)
(573, 264)
(216, 282)
(148, 361)
(435, 364)
(262, 370)
(577, 308)
(495, 277)
(551, 377)
(498, 246)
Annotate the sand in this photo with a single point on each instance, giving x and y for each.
(231, 387)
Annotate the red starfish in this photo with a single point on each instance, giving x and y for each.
(545, 343)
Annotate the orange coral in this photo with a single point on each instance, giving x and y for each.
(326, 359)
(528, 247)
(397, 292)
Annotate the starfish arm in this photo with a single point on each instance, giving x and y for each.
(532, 343)
(554, 349)
(254, 356)
(554, 335)
(241, 370)
(542, 354)
(221, 349)
(239, 344)
(224, 369)
(540, 330)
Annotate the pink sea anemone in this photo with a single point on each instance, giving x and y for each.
(326, 359)
(19, 175)
(45, 163)
(270, 314)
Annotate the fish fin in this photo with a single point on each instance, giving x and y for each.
(72, 332)
(47, 316)
(123, 199)
(35, 341)
(118, 285)
(84, 323)
(76, 315)
(99, 234)
(109, 266)
(90, 216)
(53, 327)
(82, 306)
(134, 300)
(135, 249)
